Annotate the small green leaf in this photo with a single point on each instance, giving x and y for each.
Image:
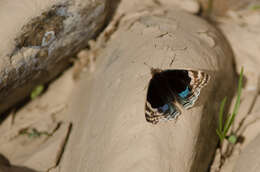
(255, 7)
(232, 139)
(37, 91)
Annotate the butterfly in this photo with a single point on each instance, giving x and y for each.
(170, 89)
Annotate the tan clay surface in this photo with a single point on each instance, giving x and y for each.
(46, 115)
(107, 103)
(111, 133)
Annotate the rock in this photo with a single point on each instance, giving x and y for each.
(110, 131)
(221, 7)
(244, 25)
(37, 40)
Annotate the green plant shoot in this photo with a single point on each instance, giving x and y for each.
(223, 130)
(37, 91)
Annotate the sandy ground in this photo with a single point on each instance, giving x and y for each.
(242, 30)
(34, 136)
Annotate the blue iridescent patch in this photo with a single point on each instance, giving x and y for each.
(164, 108)
(170, 87)
(184, 93)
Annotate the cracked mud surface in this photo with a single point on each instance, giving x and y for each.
(47, 112)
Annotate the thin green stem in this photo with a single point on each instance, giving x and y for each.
(236, 107)
(222, 131)
(210, 7)
(221, 112)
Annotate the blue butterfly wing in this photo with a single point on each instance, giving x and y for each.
(168, 87)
